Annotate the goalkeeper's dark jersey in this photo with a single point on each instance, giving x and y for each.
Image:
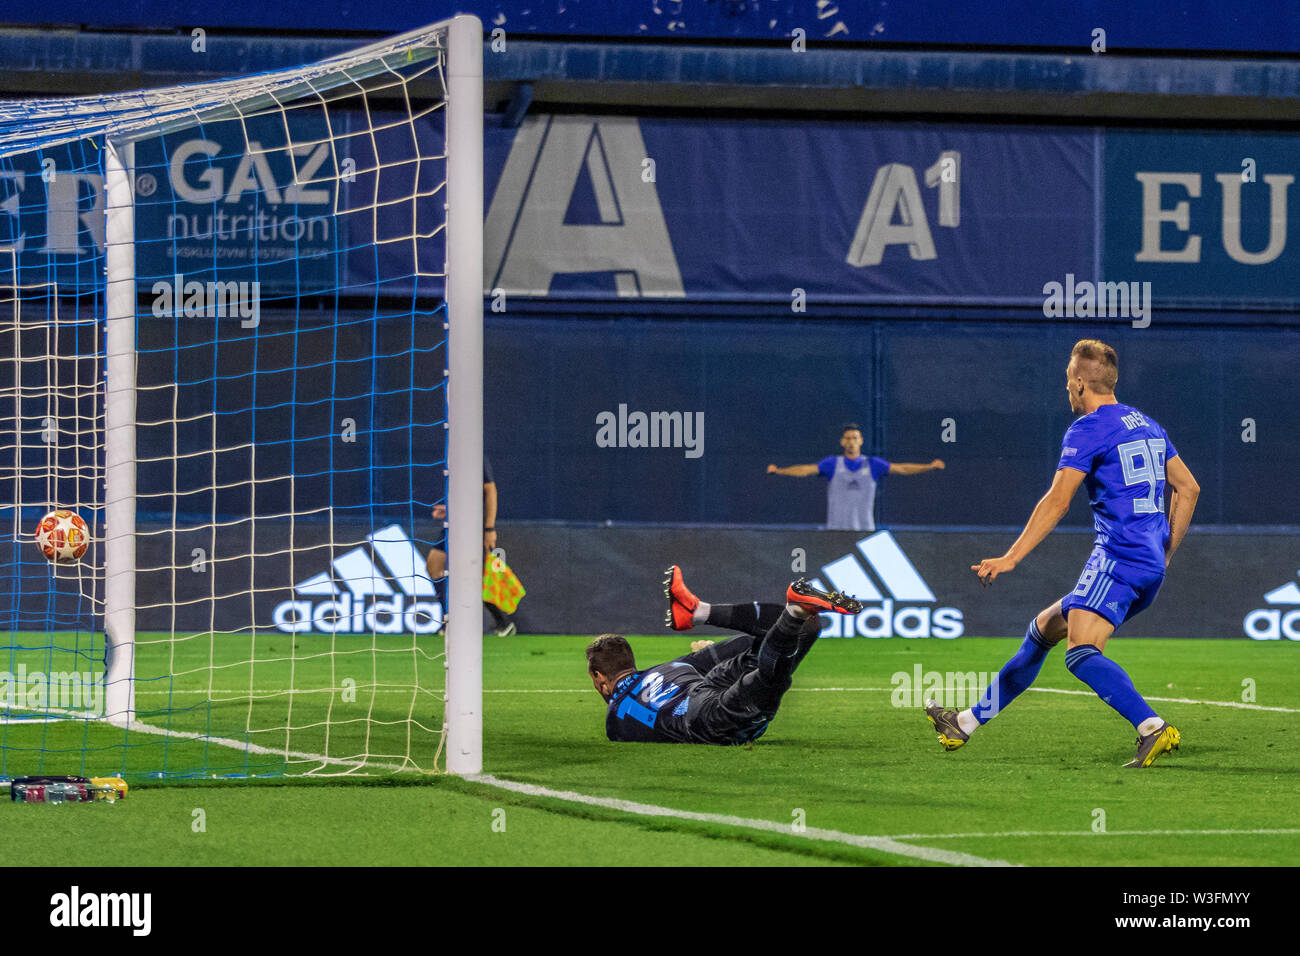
(650, 706)
(684, 701)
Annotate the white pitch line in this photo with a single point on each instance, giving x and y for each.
(846, 690)
(262, 691)
(50, 715)
(355, 763)
(1179, 700)
(1089, 833)
(883, 844)
(407, 690)
(587, 690)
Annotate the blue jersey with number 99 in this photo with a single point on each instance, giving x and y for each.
(1123, 453)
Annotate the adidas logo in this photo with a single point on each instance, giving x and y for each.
(901, 580)
(360, 598)
(1272, 623)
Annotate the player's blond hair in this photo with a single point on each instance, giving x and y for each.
(1097, 364)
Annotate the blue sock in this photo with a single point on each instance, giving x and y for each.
(1015, 676)
(1109, 681)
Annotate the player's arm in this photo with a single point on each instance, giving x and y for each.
(1051, 508)
(711, 654)
(794, 471)
(914, 468)
(1182, 502)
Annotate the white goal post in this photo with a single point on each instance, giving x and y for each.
(465, 396)
(137, 117)
(119, 436)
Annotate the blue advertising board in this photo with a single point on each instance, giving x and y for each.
(760, 210)
(778, 212)
(303, 203)
(766, 210)
(1204, 215)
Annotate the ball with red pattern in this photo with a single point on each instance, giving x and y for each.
(63, 537)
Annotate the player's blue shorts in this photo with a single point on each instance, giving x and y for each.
(1115, 590)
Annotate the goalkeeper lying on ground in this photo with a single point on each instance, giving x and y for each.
(724, 693)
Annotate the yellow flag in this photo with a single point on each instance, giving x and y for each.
(500, 585)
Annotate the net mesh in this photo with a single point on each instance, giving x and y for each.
(290, 419)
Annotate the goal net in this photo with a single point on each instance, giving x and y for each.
(241, 337)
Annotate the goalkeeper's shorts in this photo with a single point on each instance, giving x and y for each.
(734, 705)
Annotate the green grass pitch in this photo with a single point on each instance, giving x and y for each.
(1035, 787)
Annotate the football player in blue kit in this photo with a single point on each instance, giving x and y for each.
(1124, 459)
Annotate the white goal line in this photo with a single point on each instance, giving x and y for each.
(354, 763)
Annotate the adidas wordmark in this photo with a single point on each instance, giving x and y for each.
(358, 597)
(905, 613)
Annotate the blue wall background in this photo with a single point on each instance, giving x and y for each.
(779, 390)
(771, 390)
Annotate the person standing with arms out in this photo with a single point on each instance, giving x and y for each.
(1124, 458)
(852, 478)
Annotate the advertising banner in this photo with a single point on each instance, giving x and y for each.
(1078, 222)
(1204, 216)
(915, 584)
(773, 210)
(353, 578)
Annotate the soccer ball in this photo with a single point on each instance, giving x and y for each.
(63, 537)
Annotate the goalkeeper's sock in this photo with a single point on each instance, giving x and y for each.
(701, 613)
(1110, 682)
(1013, 679)
(753, 618)
(778, 654)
